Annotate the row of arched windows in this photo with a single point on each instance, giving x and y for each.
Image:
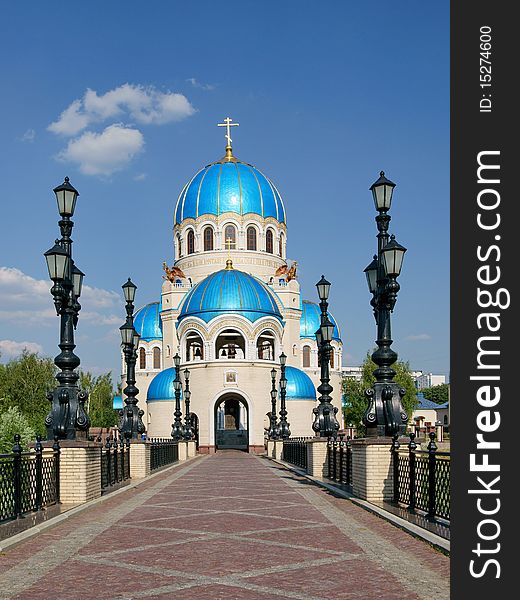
(230, 344)
(156, 358)
(230, 239)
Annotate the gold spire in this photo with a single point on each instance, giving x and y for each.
(228, 124)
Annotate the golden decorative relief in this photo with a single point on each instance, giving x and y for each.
(172, 273)
(285, 271)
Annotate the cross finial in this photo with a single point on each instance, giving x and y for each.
(229, 262)
(228, 124)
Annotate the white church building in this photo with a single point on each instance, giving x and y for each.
(230, 304)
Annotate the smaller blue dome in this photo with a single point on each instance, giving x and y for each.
(299, 385)
(230, 291)
(161, 386)
(117, 402)
(311, 320)
(147, 322)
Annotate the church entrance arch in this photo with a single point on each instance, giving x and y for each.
(231, 423)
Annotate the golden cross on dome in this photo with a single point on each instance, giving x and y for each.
(228, 124)
(229, 262)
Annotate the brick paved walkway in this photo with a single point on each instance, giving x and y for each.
(226, 526)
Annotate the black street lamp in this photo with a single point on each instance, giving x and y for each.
(131, 424)
(385, 414)
(188, 429)
(273, 432)
(325, 423)
(177, 428)
(67, 418)
(283, 432)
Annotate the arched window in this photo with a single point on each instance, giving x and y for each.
(280, 245)
(194, 346)
(179, 246)
(230, 344)
(191, 242)
(251, 238)
(265, 346)
(208, 239)
(306, 356)
(269, 241)
(142, 358)
(156, 358)
(230, 237)
(332, 359)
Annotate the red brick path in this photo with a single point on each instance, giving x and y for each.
(226, 526)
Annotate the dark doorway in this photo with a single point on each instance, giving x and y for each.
(194, 421)
(231, 424)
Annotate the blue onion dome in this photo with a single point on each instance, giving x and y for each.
(299, 385)
(117, 402)
(161, 386)
(311, 320)
(147, 322)
(230, 291)
(229, 185)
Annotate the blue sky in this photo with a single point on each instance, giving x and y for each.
(327, 94)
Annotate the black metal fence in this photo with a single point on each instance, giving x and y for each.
(295, 451)
(29, 481)
(339, 460)
(163, 452)
(115, 462)
(422, 478)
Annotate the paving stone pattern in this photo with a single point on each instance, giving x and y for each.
(227, 526)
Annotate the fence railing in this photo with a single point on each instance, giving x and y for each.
(339, 460)
(163, 452)
(115, 462)
(29, 481)
(422, 478)
(295, 451)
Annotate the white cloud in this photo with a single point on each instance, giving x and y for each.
(12, 348)
(28, 136)
(145, 105)
(106, 152)
(418, 337)
(27, 301)
(99, 319)
(72, 120)
(140, 177)
(207, 87)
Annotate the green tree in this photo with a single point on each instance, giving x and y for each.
(12, 421)
(100, 398)
(437, 393)
(355, 402)
(24, 382)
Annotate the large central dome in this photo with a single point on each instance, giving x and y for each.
(230, 291)
(229, 185)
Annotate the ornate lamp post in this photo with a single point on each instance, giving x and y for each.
(385, 414)
(67, 418)
(283, 431)
(273, 428)
(325, 422)
(188, 429)
(131, 425)
(177, 428)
